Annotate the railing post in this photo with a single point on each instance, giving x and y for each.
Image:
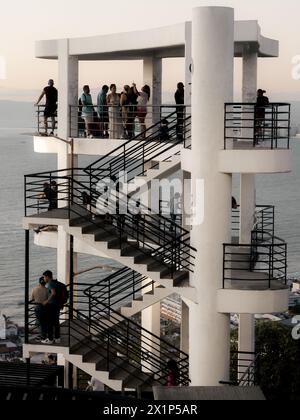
(270, 264)
(133, 285)
(90, 311)
(273, 128)
(224, 256)
(27, 281)
(289, 126)
(25, 196)
(71, 310)
(285, 263)
(39, 122)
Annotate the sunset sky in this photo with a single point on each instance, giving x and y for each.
(23, 22)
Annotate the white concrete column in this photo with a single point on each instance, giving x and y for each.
(212, 81)
(248, 194)
(188, 64)
(67, 95)
(247, 182)
(68, 86)
(152, 73)
(184, 333)
(246, 339)
(249, 74)
(247, 207)
(151, 322)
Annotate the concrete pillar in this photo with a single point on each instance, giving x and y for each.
(152, 72)
(151, 322)
(247, 207)
(188, 64)
(247, 182)
(184, 334)
(68, 87)
(67, 95)
(249, 74)
(212, 81)
(246, 339)
(248, 194)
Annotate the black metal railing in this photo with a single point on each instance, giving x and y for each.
(117, 290)
(115, 341)
(154, 235)
(244, 369)
(235, 222)
(40, 121)
(123, 122)
(263, 221)
(123, 344)
(248, 125)
(134, 159)
(261, 265)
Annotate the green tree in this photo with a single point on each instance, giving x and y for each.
(279, 366)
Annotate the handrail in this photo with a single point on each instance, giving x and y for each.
(51, 174)
(177, 251)
(271, 254)
(147, 151)
(250, 125)
(102, 267)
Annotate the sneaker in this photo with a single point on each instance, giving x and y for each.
(47, 341)
(57, 341)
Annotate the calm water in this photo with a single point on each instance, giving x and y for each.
(17, 158)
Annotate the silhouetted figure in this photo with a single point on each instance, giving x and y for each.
(51, 94)
(173, 374)
(234, 204)
(260, 115)
(164, 132)
(179, 99)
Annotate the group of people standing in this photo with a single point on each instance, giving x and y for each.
(116, 112)
(49, 298)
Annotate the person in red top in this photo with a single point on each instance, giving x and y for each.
(173, 374)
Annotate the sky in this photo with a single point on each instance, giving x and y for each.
(24, 22)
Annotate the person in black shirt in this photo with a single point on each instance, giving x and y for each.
(260, 115)
(180, 109)
(51, 105)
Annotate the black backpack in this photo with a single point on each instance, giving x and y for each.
(62, 294)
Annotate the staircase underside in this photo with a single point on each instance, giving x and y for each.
(87, 352)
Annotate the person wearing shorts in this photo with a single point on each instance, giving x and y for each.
(87, 112)
(51, 94)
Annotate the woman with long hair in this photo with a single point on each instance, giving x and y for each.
(114, 110)
(142, 102)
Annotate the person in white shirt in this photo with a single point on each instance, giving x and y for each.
(142, 102)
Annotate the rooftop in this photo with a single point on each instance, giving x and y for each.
(164, 42)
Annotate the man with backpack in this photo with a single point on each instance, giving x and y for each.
(58, 297)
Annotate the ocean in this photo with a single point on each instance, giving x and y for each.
(17, 159)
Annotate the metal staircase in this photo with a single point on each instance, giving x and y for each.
(156, 253)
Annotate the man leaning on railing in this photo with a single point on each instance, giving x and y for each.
(260, 116)
(51, 94)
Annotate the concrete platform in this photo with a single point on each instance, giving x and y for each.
(208, 394)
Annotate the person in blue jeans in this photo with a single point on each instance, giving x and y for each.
(53, 307)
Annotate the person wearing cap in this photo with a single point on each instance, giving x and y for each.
(39, 295)
(180, 109)
(51, 94)
(260, 115)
